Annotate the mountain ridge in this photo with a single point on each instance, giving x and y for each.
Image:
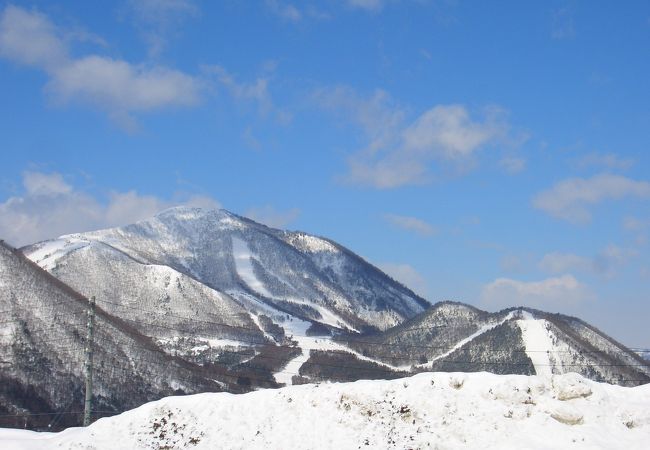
(209, 298)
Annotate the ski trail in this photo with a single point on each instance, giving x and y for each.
(459, 344)
(537, 343)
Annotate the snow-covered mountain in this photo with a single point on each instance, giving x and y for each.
(248, 266)
(199, 300)
(42, 340)
(217, 288)
(457, 337)
(213, 287)
(445, 411)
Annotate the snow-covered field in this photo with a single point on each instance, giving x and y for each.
(429, 410)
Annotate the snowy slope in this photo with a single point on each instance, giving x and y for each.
(42, 334)
(293, 274)
(538, 342)
(432, 410)
(161, 301)
(457, 337)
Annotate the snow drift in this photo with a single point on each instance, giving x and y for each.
(429, 410)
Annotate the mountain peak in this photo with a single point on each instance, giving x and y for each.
(189, 212)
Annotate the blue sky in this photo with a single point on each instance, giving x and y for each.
(494, 153)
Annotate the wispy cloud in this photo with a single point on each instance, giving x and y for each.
(270, 216)
(412, 224)
(551, 294)
(400, 152)
(513, 263)
(557, 262)
(638, 226)
(298, 12)
(157, 20)
(604, 263)
(255, 92)
(513, 164)
(572, 199)
(562, 26)
(112, 85)
(635, 224)
(284, 10)
(49, 206)
(606, 160)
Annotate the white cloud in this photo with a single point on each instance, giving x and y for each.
(157, 20)
(50, 207)
(119, 86)
(448, 132)
(513, 164)
(571, 199)
(607, 160)
(605, 263)
(556, 294)
(286, 11)
(399, 153)
(377, 115)
(407, 275)
(297, 12)
(612, 257)
(37, 183)
(115, 86)
(411, 224)
(256, 92)
(30, 38)
(388, 173)
(272, 217)
(556, 262)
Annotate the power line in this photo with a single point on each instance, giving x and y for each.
(172, 315)
(54, 413)
(320, 364)
(378, 357)
(353, 339)
(379, 344)
(504, 363)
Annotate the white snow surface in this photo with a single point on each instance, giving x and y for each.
(245, 270)
(310, 243)
(323, 343)
(48, 253)
(537, 342)
(243, 257)
(429, 410)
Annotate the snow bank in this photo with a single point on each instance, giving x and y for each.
(429, 410)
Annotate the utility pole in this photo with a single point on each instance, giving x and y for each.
(88, 366)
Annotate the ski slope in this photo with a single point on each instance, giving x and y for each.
(462, 342)
(537, 342)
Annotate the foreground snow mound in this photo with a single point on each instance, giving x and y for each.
(429, 410)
